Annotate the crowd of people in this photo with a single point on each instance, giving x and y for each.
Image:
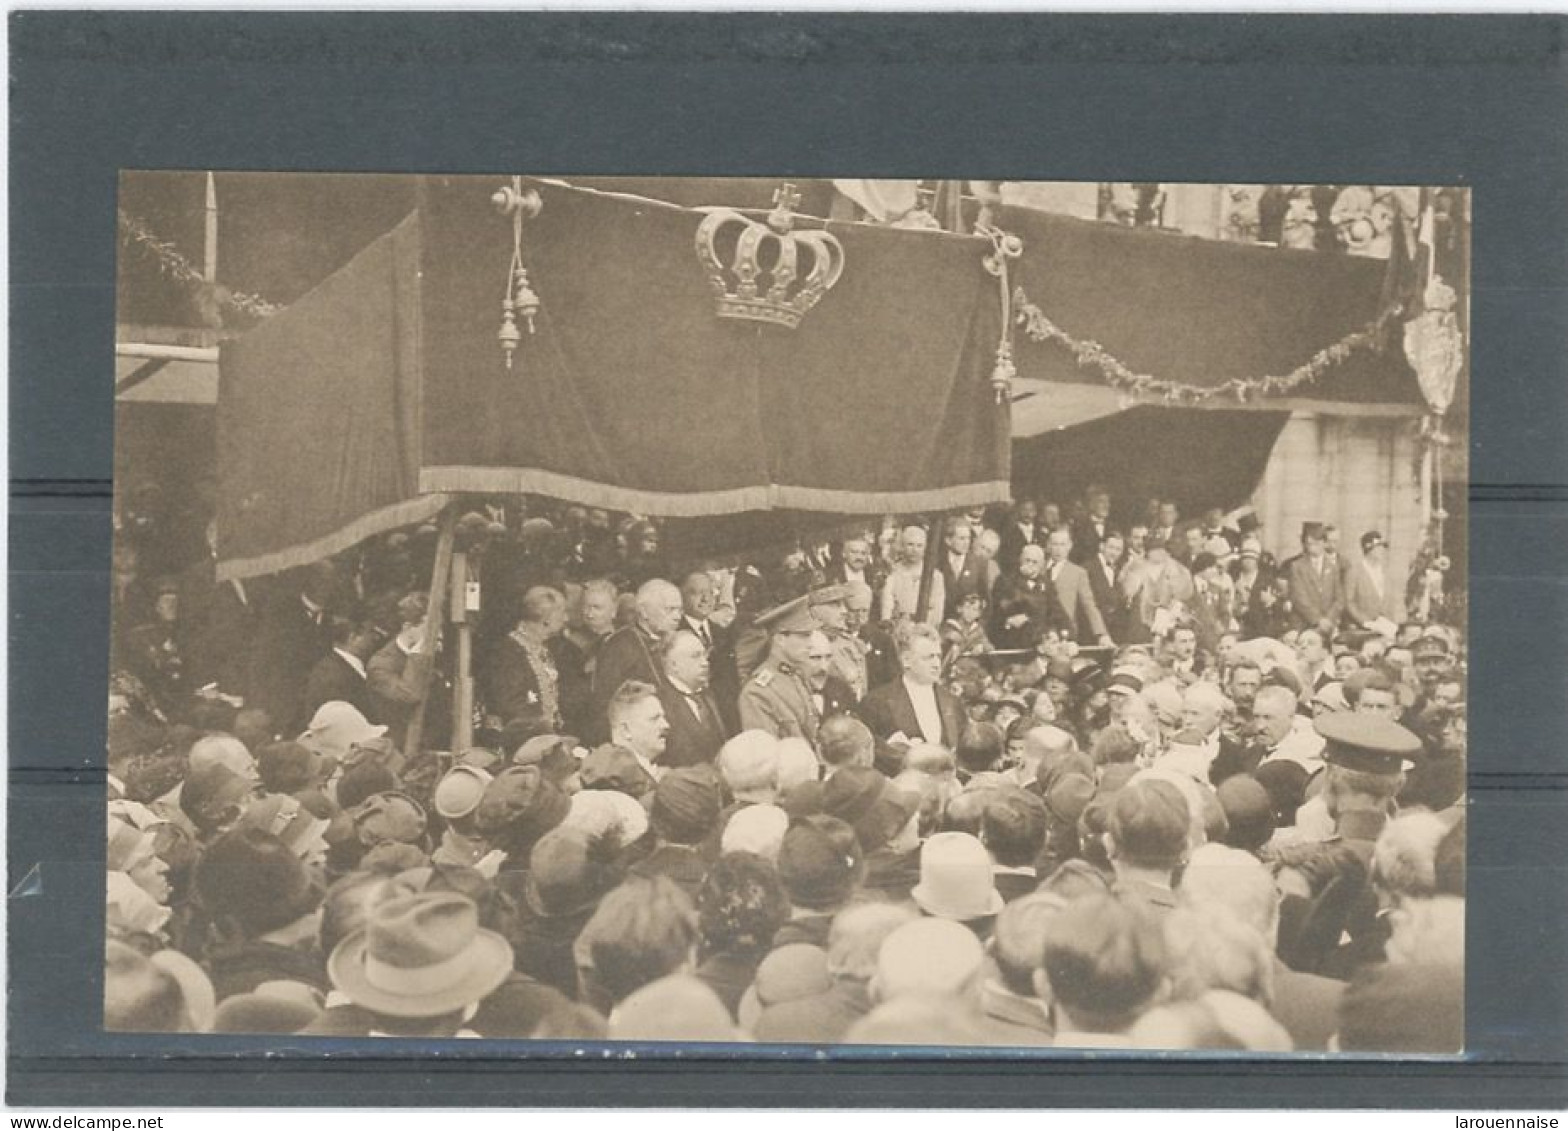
(1070, 778)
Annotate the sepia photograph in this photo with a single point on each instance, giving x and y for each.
(769, 612)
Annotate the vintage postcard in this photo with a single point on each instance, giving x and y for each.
(816, 612)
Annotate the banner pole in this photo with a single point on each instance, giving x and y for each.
(434, 617)
(928, 566)
(463, 677)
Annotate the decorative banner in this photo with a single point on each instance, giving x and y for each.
(1091, 355)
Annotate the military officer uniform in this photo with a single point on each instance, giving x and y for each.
(1340, 929)
(848, 663)
(776, 698)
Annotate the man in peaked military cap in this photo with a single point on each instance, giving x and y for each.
(830, 607)
(1365, 758)
(777, 698)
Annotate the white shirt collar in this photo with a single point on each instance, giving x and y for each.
(922, 696)
(352, 661)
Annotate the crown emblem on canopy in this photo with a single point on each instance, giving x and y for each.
(765, 271)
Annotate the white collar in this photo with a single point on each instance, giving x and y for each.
(352, 661)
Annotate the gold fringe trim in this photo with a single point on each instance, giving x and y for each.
(405, 513)
(508, 480)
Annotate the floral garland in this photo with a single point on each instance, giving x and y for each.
(172, 264)
(1090, 354)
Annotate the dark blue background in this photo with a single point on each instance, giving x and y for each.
(1475, 101)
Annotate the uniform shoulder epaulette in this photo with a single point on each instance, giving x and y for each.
(763, 677)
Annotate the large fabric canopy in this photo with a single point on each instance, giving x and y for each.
(363, 404)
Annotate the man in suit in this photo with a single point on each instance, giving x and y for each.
(1155, 588)
(879, 656)
(1372, 598)
(1316, 590)
(1073, 589)
(1203, 709)
(1105, 569)
(697, 729)
(520, 679)
(777, 698)
(915, 707)
(1024, 604)
(856, 563)
(830, 695)
(632, 652)
(963, 572)
(399, 673)
(1020, 530)
(697, 602)
(1211, 602)
(1164, 528)
(293, 631)
(216, 620)
(341, 674)
(1091, 529)
(901, 590)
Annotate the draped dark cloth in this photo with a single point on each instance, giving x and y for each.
(364, 404)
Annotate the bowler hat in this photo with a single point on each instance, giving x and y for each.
(955, 879)
(420, 955)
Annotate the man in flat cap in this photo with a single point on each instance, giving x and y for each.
(777, 697)
(1316, 588)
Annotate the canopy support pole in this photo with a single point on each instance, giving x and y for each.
(463, 683)
(436, 614)
(928, 566)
